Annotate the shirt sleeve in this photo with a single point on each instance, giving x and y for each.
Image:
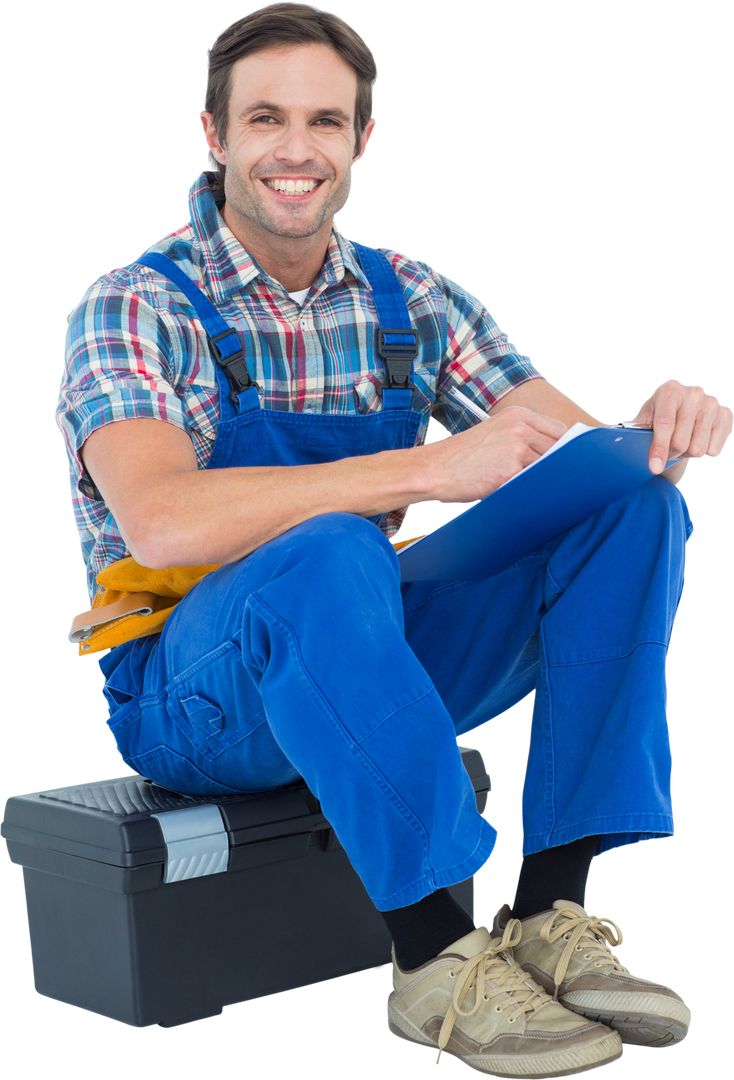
(119, 366)
(479, 360)
(122, 359)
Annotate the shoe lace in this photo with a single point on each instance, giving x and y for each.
(496, 971)
(595, 935)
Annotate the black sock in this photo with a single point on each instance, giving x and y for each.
(558, 873)
(420, 931)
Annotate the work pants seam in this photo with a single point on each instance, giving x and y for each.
(358, 742)
(359, 754)
(606, 659)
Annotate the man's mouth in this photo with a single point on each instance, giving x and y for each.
(290, 188)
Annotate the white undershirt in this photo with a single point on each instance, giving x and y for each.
(300, 296)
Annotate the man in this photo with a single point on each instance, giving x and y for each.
(302, 655)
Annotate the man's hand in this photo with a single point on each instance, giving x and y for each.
(475, 462)
(685, 421)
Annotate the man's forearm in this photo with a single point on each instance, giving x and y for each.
(221, 515)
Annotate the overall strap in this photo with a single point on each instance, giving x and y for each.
(397, 344)
(224, 341)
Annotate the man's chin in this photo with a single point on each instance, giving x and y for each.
(293, 225)
(292, 230)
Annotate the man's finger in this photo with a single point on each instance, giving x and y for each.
(663, 425)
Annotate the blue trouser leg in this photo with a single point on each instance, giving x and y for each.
(586, 623)
(295, 661)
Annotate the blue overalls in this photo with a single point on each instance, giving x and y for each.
(309, 659)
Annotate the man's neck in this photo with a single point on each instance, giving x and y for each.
(294, 262)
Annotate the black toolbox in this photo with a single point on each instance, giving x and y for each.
(157, 908)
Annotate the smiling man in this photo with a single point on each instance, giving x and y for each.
(245, 409)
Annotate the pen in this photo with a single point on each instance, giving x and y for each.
(468, 403)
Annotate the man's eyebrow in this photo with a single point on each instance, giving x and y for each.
(269, 106)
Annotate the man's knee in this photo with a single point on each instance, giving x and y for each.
(340, 525)
(333, 538)
(658, 490)
(659, 501)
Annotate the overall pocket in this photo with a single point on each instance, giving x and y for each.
(214, 703)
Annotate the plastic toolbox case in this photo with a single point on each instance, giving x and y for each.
(157, 908)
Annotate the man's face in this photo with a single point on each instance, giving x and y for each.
(290, 139)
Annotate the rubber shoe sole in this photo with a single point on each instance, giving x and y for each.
(640, 1029)
(557, 1063)
(515, 1033)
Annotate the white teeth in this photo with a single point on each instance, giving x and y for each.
(291, 187)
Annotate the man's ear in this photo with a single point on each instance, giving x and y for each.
(211, 136)
(367, 138)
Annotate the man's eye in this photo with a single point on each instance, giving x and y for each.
(326, 120)
(257, 119)
(266, 117)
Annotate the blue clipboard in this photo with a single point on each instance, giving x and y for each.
(555, 493)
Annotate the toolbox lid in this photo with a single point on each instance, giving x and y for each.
(132, 824)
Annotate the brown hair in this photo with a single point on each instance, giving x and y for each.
(278, 25)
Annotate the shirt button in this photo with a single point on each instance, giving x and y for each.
(304, 324)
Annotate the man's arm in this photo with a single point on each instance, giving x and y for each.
(541, 397)
(544, 396)
(172, 514)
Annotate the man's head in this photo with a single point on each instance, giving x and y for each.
(283, 25)
(290, 124)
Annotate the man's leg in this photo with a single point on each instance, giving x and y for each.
(586, 623)
(294, 661)
(235, 689)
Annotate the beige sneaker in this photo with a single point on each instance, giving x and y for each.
(508, 1025)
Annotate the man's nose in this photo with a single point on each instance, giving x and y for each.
(296, 144)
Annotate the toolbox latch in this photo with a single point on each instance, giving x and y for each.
(196, 842)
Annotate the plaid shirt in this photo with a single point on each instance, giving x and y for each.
(137, 350)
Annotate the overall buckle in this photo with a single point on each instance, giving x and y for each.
(398, 359)
(234, 364)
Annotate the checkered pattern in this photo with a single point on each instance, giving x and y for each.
(135, 348)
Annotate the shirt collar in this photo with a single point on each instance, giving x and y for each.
(229, 268)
